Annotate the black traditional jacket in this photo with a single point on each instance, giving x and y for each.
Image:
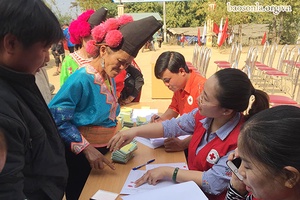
(35, 166)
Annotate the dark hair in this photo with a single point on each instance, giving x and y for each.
(31, 21)
(235, 90)
(272, 137)
(170, 60)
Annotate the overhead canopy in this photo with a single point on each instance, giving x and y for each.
(248, 30)
(137, 16)
(192, 31)
(252, 30)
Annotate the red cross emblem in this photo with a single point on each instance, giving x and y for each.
(213, 156)
(190, 100)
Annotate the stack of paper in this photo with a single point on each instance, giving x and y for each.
(126, 110)
(101, 195)
(141, 120)
(125, 153)
(126, 115)
(136, 117)
(156, 142)
(144, 114)
(152, 143)
(187, 190)
(129, 185)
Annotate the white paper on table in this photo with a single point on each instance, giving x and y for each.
(143, 113)
(187, 190)
(155, 142)
(148, 143)
(179, 165)
(133, 175)
(104, 195)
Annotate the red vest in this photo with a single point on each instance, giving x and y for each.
(212, 151)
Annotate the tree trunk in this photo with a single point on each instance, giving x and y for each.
(240, 33)
(274, 30)
(280, 29)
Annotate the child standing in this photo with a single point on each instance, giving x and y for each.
(182, 40)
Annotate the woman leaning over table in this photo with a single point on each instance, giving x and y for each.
(86, 106)
(225, 95)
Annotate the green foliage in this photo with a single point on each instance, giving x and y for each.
(96, 4)
(193, 13)
(143, 7)
(112, 9)
(178, 14)
(63, 18)
(90, 4)
(285, 25)
(185, 14)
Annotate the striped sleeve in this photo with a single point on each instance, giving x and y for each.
(232, 194)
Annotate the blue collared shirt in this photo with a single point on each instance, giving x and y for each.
(216, 179)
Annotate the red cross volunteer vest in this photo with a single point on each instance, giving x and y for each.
(212, 151)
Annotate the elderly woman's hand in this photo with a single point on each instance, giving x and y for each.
(128, 100)
(96, 159)
(121, 139)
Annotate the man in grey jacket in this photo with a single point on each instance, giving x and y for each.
(35, 166)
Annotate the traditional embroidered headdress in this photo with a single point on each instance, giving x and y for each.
(82, 26)
(123, 33)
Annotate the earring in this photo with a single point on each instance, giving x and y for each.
(224, 113)
(102, 63)
(290, 185)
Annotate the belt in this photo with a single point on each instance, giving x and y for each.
(98, 136)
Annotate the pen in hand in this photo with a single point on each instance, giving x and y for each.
(140, 166)
(155, 118)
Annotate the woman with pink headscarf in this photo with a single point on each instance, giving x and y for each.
(80, 34)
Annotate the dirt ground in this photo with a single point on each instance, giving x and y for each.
(146, 58)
